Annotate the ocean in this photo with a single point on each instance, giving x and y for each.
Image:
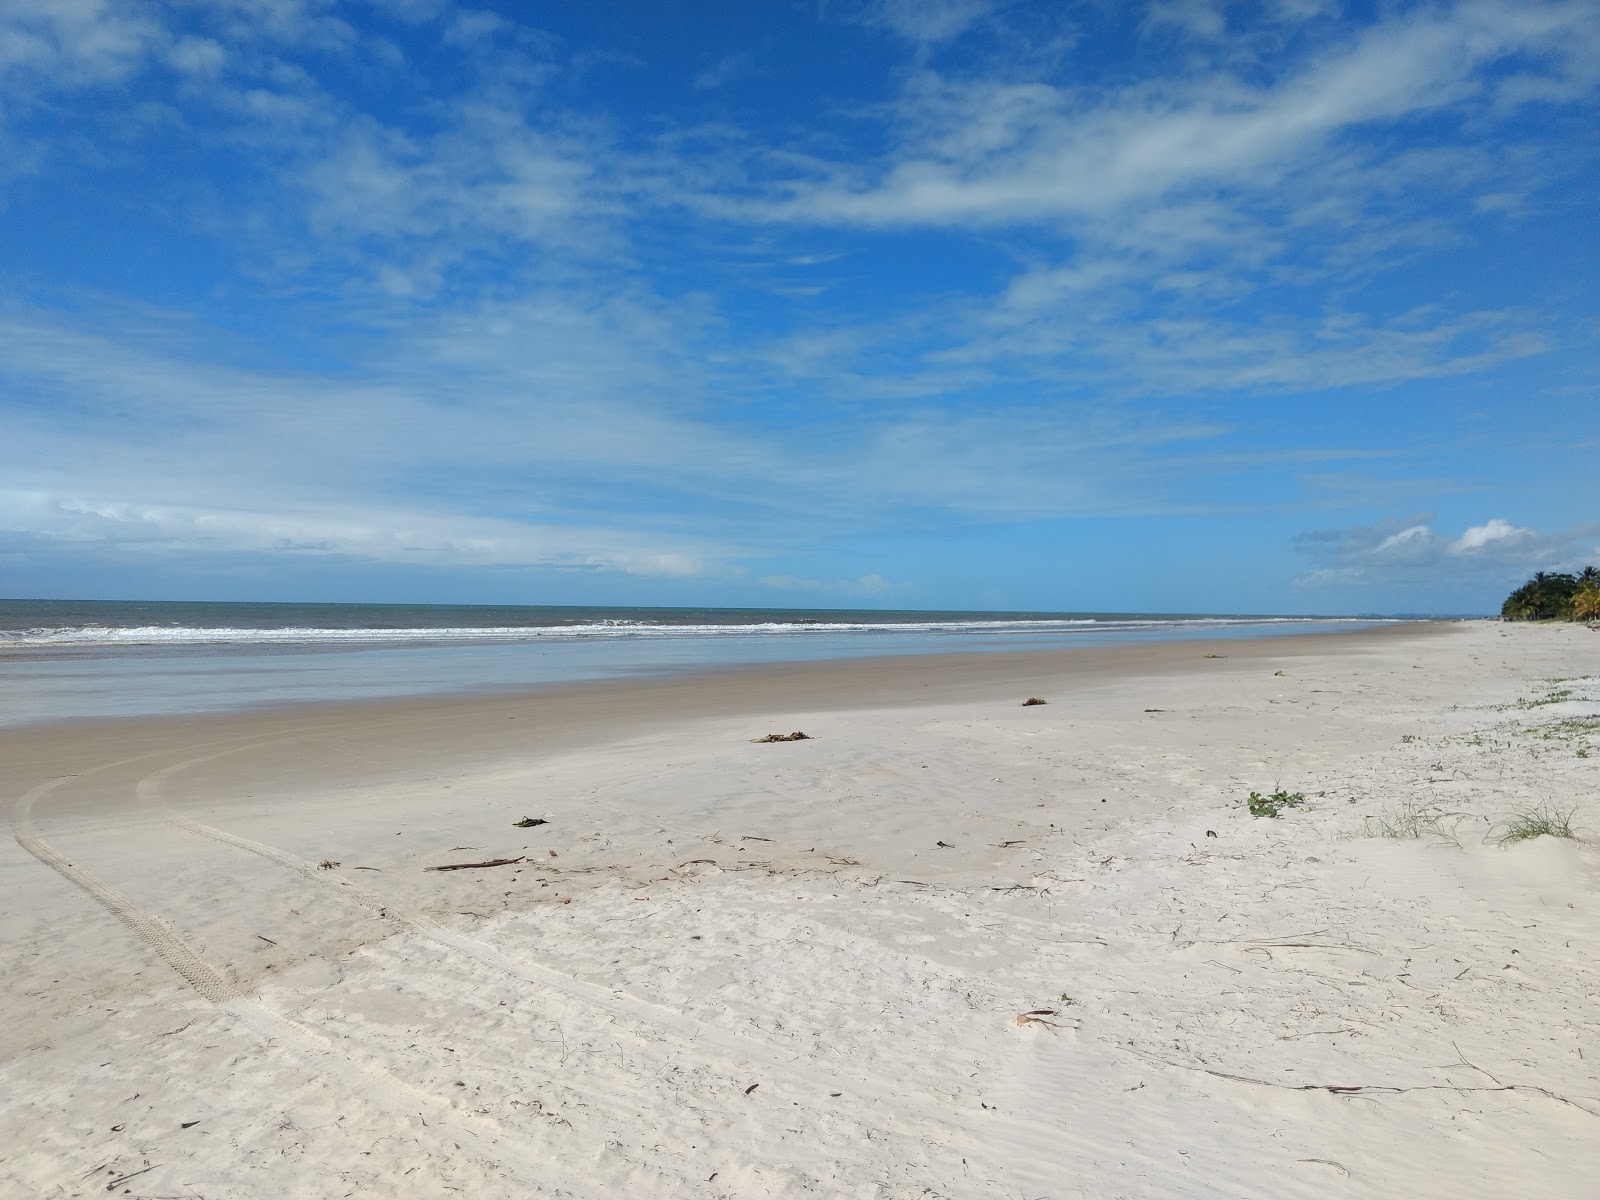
(63, 659)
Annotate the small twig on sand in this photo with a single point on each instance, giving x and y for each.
(1281, 938)
(267, 940)
(1327, 1162)
(493, 862)
(1360, 1089)
(1039, 1016)
(1474, 1066)
(122, 1179)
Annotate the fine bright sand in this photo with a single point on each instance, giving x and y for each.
(950, 947)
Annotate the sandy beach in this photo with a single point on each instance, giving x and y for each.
(949, 946)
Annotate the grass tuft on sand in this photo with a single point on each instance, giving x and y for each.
(1543, 821)
(1411, 821)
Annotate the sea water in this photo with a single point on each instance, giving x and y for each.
(65, 659)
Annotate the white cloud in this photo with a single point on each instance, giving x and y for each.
(197, 55)
(1197, 18)
(1412, 552)
(478, 25)
(413, 536)
(866, 585)
(542, 432)
(1495, 533)
(926, 22)
(1106, 326)
(1185, 195)
(725, 70)
(989, 152)
(59, 44)
(1410, 536)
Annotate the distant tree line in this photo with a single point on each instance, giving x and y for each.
(1555, 596)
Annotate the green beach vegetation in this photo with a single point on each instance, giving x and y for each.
(1544, 821)
(1556, 596)
(1273, 805)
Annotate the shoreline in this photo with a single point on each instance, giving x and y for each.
(110, 681)
(954, 942)
(765, 688)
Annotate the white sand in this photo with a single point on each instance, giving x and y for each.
(721, 917)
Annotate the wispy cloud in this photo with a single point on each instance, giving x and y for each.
(925, 22)
(434, 285)
(413, 536)
(78, 43)
(866, 585)
(724, 71)
(578, 420)
(995, 152)
(1181, 205)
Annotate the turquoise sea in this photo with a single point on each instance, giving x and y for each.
(61, 659)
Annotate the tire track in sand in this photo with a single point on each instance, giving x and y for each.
(146, 926)
(618, 1004)
(738, 1048)
(737, 1052)
(357, 1074)
(905, 1112)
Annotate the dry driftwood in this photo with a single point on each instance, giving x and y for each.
(493, 862)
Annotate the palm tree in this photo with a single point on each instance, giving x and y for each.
(1586, 602)
(1590, 574)
(1548, 596)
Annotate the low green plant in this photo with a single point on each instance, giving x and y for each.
(1554, 696)
(1273, 805)
(1576, 727)
(1543, 821)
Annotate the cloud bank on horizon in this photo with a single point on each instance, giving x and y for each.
(1277, 306)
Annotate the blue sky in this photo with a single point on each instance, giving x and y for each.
(1289, 306)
